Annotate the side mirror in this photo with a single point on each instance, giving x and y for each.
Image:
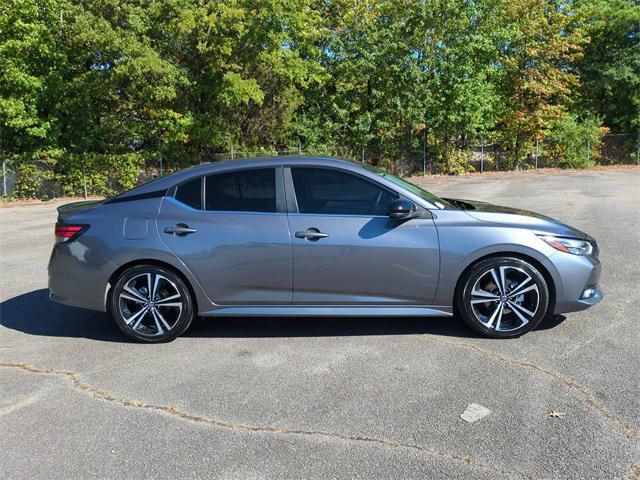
(401, 208)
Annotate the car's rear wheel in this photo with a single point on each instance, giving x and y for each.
(151, 304)
(503, 297)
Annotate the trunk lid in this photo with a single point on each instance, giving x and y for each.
(68, 209)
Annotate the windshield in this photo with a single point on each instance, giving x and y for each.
(415, 189)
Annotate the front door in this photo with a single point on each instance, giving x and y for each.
(236, 241)
(347, 251)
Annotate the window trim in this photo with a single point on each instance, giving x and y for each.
(137, 196)
(292, 200)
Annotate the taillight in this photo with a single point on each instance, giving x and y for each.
(64, 233)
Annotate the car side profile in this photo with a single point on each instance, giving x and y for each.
(311, 236)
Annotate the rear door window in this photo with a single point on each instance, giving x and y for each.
(190, 193)
(242, 191)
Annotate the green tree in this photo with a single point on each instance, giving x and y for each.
(99, 88)
(458, 46)
(247, 64)
(401, 72)
(28, 64)
(542, 42)
(610, 67)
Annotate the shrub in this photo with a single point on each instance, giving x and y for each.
(106, 174)
(576, 143)
(33, 173)
(451, 160)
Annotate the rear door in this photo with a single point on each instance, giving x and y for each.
(230, 229)
(347, 251)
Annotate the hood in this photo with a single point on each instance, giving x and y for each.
(516, 217)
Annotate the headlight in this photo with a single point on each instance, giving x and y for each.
(569, 245)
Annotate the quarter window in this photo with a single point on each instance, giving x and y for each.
(190, 193)
(326, 191)
(242, 191)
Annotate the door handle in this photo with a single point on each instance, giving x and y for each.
(180, 230)
(311, 234)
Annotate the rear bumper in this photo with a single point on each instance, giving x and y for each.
(77, 276)
(576, 274)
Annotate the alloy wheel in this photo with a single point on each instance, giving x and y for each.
(505, 298)
(150, 304)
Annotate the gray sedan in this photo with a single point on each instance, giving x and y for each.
(303, 236)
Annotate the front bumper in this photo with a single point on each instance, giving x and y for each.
(588, 302)
(576, 273)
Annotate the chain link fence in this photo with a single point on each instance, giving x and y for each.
(614, 149)
(8, 180)
(92, 178)
(10, 177)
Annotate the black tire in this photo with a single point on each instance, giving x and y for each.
(163, 320)
(504, 316)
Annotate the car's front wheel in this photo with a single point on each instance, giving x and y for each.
(503, 297)
(151, 304)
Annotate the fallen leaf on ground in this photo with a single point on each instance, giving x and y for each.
(555, 414)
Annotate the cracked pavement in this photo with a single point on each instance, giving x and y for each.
(330, 398)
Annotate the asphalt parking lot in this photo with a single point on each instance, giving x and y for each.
(331, 398)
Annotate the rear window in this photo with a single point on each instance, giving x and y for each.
(190, 193)
(242, 191)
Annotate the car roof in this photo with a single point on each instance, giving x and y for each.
(275, 161)
(169, 181)
(161, 185)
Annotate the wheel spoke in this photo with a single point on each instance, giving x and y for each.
(522, 309)
(132, 298)
(482, 300)
(499, 319)
(155, 319)
(135, 325)
(157, 313)
(497, 313)
(497, 281)
(149, 297)
(522, 292)
(171, 304)
(164, 300)
(134, 292)
(503, 280)
(137, 315)
(484, 294)
(522, 318)
(520, 286)
(155, 287)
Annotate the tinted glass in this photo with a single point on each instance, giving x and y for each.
(320, 190)
(421, 192)
(243, 191)
(190, 193)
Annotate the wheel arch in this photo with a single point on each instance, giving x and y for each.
(147, 261)
(551, 284)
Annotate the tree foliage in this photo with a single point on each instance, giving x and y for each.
(610, 66)
(120, 82)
